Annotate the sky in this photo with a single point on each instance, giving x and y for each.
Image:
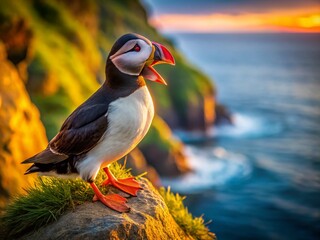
(235, 15)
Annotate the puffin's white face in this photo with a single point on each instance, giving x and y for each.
(132, 56)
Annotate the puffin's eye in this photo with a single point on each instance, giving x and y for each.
(136, 48)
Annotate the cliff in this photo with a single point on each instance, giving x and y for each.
(21, 131)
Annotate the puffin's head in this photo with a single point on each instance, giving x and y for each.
(133, 54)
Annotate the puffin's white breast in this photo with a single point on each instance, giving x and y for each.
(129, 119)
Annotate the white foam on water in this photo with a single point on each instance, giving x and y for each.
(215, 166)
(211, 167)
(244, 126)
(247, 126)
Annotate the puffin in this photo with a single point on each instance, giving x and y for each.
(110, 123)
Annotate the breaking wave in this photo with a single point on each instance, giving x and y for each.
(212, 167)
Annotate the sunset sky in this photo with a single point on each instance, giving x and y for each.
(235, 15)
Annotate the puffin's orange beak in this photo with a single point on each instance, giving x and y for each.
(160, 54)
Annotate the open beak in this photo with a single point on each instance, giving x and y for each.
(160, 54)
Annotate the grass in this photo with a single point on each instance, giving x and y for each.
(47, 200)
(193, 226)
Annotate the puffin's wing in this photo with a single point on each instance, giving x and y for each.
(80, 132)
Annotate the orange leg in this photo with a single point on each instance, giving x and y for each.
(113, 201)
(127, 185)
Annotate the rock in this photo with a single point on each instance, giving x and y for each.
(162, 151)
(21, 131)
(191, 97)
(200, 116)
(223, 115)
(149, 218)
(139, 165)
(167, 163)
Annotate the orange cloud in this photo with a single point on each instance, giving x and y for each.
(290, 21)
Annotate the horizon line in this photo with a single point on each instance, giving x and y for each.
(273, 22)
(238, 32)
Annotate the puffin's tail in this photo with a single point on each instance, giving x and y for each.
(46, 157)
(43, 168)
(44, 161)
(32, 169)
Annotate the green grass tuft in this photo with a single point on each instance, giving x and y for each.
(48, 199)
(193, 226)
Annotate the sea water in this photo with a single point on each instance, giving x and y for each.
(260, 178)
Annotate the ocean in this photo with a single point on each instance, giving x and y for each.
(260, 178)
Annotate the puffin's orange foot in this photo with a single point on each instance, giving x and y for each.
(113, 201)
(127, 185)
